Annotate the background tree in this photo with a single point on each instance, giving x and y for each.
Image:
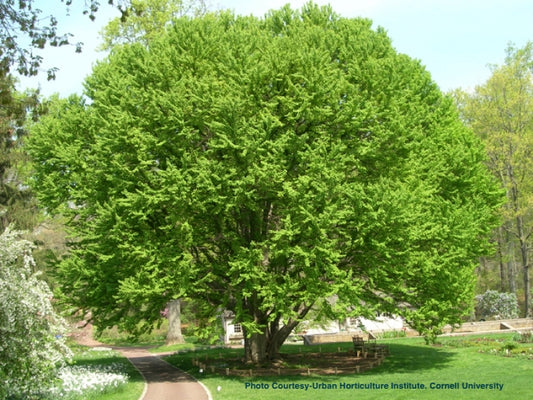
(145, 20)
(17, 205)
(501, 113)
(21, 22)
(30, 331)
(23, 31)
(266, 166)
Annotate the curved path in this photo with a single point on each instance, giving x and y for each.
(164, 381)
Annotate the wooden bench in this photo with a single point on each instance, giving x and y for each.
(358, 345)
(369, 347)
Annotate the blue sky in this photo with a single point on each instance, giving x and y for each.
(454, 39)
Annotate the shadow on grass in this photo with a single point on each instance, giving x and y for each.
(403, 358)
(408, 358)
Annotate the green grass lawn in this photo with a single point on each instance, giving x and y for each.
(440, 370)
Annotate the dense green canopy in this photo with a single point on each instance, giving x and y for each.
(266, 166)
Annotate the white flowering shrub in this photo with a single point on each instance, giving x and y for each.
(496, 305)
(77, 380)
(31, 333)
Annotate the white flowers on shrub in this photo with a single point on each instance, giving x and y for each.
(32, 347)
(496, 305)
(80, 379)
(31, 333)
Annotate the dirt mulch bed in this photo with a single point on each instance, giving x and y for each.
(296, 364)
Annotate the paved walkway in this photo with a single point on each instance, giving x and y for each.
(164, 381)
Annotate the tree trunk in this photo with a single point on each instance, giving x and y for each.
(525, 262)
(174, 335)
(264, 347)
(501, 262)
(511, 266)
(255, 348)
(502, 276)
(521, 235)
(278, 337)
(260, 348)
(527, 289)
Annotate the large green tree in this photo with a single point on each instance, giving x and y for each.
(266, 166)
(501, 112)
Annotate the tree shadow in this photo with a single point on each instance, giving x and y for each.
(403, 358)
(156, 370)
(408, 358)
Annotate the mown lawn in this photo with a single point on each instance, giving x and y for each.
(411, 366)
